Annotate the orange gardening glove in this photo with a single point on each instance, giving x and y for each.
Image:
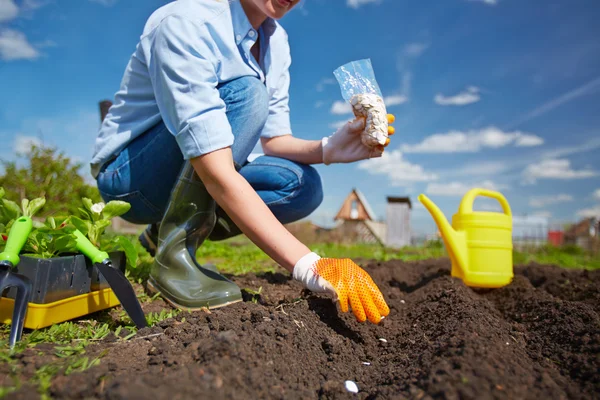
(346, 281)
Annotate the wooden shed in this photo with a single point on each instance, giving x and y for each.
(358, 222)
(398, 232)
(585, 234)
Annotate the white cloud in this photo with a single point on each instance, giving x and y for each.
(358, 3)
(542, 214)
(585, 89)
(106, 3)
(488, 2)
(472, 141)
(555, 169)
(23, 144)
(324, 82)
(597, 194)
(590, 145)
(15, 46)
(528, 141)
(479, 168)
(394, 100)
(469, 96)
(459, 188)
(8, 10)
(415, 49)
(399, 171)
(589, 212)
(341, 107)
(543, 201)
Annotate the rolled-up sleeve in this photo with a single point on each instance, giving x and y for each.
(278, 122)
(182, 62)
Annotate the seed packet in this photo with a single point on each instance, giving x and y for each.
(359, 87)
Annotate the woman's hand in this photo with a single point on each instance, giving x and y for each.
(346, 281)
(345, 145)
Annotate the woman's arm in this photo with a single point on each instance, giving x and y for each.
(344, 146)
(342, 278)
(247, 210)
(294, 149)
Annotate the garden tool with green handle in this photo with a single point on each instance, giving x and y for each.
(115, 278)
(9, 259)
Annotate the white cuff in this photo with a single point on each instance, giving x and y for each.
(305, 272)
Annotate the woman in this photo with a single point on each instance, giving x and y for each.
(207, 80)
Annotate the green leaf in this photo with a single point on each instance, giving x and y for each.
(35, 205)
(25, 207)
(50, 222)
(65, 244)
(83, 226)
(128, 248)
(84, 213)
(2, 192)
(101, 225)
(11, 209)
(115, 208)
(87, 203)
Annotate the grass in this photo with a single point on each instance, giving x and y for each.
(235, 256)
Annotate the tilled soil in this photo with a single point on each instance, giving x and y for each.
(538, 338)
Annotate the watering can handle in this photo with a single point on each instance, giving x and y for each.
(466, 205)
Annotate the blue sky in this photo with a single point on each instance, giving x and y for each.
(502, 94)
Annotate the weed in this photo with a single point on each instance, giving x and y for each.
(154, 318)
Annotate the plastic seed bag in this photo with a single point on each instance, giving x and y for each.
(359, 87)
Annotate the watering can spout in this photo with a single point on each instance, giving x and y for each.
(455, 241)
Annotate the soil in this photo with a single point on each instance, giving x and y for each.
(537, 338)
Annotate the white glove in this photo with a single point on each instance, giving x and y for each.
(345, 145)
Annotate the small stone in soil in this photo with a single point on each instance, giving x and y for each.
(351, 386)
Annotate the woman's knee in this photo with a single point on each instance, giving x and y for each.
(312, 188)
(295, 189)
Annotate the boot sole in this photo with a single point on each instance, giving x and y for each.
(153, 289)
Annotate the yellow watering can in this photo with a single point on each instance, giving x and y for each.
(479, 243)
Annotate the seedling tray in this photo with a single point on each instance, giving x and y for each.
(64, 277)
(43, 315)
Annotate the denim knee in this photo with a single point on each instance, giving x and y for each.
(314, 187)
(291, 190)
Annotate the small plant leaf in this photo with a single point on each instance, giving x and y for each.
(128, 248)
(25, 207)
(65, 244)
(87, 203)
(115, 208)
(2, 192)
(84, 213)
(11, 209)
(51, 222)
(35, 205)
(83, 226)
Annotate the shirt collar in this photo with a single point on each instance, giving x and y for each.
(241, 24)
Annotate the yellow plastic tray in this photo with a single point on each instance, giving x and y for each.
(43, 315)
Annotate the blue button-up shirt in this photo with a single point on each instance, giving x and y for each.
(189, 47)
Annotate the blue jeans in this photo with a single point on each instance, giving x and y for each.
(143, 174)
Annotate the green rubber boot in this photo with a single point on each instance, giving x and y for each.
(175, 274)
